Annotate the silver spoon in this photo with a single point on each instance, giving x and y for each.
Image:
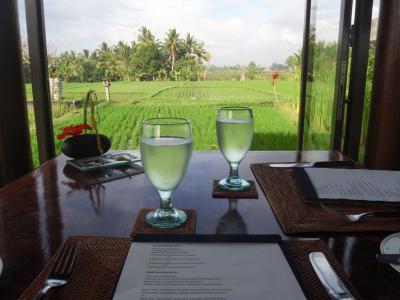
(354, 218)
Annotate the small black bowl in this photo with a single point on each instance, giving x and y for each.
(85, 145)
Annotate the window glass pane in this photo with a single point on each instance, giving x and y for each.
(177, 58)
(324, 30)
(368, 85)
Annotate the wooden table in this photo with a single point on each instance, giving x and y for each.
(40, 210)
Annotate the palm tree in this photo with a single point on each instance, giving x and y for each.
(200, 51)
(172, 45)
(207, 58)
(72, 67)
(111, 63)
(123, 53)
(189, 45)
(85, 66)
(104, 54)
(145, 36)
(85, 53)
(104, 47)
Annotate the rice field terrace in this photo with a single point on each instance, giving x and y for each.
(275, 119)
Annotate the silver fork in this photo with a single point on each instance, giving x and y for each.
(62, 268)
(354, 218)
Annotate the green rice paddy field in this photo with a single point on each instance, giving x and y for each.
(275, 120)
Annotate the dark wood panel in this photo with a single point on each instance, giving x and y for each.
(358, 72)
(383, 142)
(15, 150)
(39, 74)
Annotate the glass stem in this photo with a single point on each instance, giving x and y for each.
(233, 171)
(166, 198)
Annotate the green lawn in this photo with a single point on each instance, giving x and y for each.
(275, 121)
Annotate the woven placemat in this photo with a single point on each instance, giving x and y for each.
(296, 214)
(249, 194)
(97, 269)
(299, 252)
(141, 227)
(100, 261)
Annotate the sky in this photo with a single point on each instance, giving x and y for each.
(235, 32)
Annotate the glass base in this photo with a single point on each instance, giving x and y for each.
(234, 184)
(166, 218)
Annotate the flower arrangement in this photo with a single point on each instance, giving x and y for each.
(73, 130)
(81, 145)
(94, 116)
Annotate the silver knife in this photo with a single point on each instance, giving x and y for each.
(328, 277)
(316, 164)
(389, 258)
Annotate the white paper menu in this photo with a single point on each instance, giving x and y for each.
(233, 271)
(355, 184)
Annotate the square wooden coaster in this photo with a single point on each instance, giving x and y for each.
(250, 194)
(141, 227)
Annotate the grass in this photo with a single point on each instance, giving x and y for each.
(275, 122)
(205, 90)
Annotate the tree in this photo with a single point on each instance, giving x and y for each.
(107, 66)
(147, 61)
(193, 49)
(294, 61)
(279, 67)
(187, 69)
(252, 70)
(66, 66)
(294, 64)
(26, 60)
(207, 58)
(86, 66)
(123, 53)
(189, 45)
(172, 44)
(145, 36)
(200, 51)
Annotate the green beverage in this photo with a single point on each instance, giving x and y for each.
(234, 134)
(234, 137)
(166, 148)
(165, 160)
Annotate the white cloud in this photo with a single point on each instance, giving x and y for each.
(234, 31)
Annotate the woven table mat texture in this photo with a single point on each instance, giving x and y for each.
(100, 261)
(249, 194)
(296, 214)
(299, 252)
(97, 268)
(140, 226)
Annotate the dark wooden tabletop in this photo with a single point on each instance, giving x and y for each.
(40, 210)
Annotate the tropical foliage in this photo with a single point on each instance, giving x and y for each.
(146, 58)
(320, 91)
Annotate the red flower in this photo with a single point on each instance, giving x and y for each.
(73, 130)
